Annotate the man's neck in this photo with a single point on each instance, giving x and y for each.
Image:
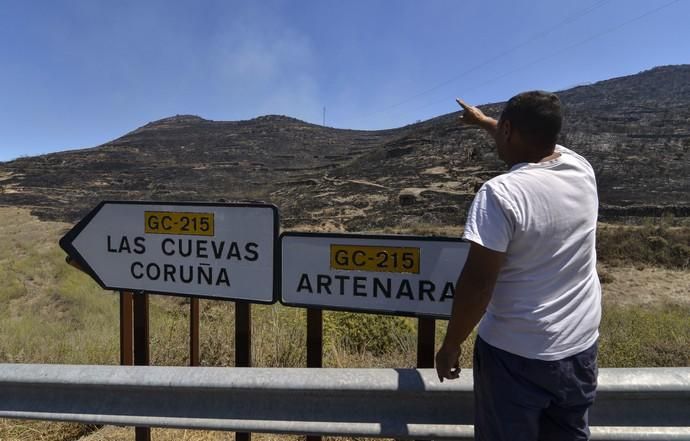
(542, 155)
(536, 157)
(550, 157)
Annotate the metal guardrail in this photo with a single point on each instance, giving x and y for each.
(632, 404)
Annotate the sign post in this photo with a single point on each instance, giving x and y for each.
(194, 355)
(141, 348)
(314, 346)
(426, 342)
(126, 329)
(243, 346)
(314, 338)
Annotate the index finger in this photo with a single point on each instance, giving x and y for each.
(441, 374)
(462, 103)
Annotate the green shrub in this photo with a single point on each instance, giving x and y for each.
(680, 253)
(658, 245)
(372, 333)
(650, 336)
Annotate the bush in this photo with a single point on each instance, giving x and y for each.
(657, 243)
(644, 245)
(681, 253)
(379, 335)
(634, 336)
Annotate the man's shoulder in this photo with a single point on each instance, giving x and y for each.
(501, 189)
(501, 183)
(575, 156)
(525, 174)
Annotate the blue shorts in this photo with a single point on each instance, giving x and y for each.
(519, 398)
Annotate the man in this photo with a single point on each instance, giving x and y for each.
(531, 278)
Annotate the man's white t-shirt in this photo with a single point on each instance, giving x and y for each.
(547, 300)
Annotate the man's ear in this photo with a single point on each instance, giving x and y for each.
(507, 129)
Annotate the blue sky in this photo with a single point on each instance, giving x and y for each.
(78, 73)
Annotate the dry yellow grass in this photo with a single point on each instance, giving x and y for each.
(111, 433)
(639, 286)
(16, 430)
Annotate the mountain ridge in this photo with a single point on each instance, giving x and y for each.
(635, 130)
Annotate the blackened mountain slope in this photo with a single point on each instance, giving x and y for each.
(635, 131)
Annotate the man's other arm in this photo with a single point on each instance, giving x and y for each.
(472, 295)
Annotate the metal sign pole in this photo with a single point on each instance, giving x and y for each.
(126, 328)
(426, 341)
(194, 357)
(243, 346)
(314, 345)
(141, 347)
(314, 339)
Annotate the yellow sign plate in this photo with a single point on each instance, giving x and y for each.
(373, 258)
(170, 222)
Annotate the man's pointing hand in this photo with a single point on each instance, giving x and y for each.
(471, 115)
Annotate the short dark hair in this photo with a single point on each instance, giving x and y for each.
(536, 115)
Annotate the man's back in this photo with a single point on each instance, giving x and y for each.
(546, 302)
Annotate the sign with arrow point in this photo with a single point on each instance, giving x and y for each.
(220, 251)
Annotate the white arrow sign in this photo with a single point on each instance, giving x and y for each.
(224, 251)
(385, 274)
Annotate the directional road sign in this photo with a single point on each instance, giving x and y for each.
(224, 251)
(400, 275)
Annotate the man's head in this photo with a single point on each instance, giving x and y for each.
(528, 126)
